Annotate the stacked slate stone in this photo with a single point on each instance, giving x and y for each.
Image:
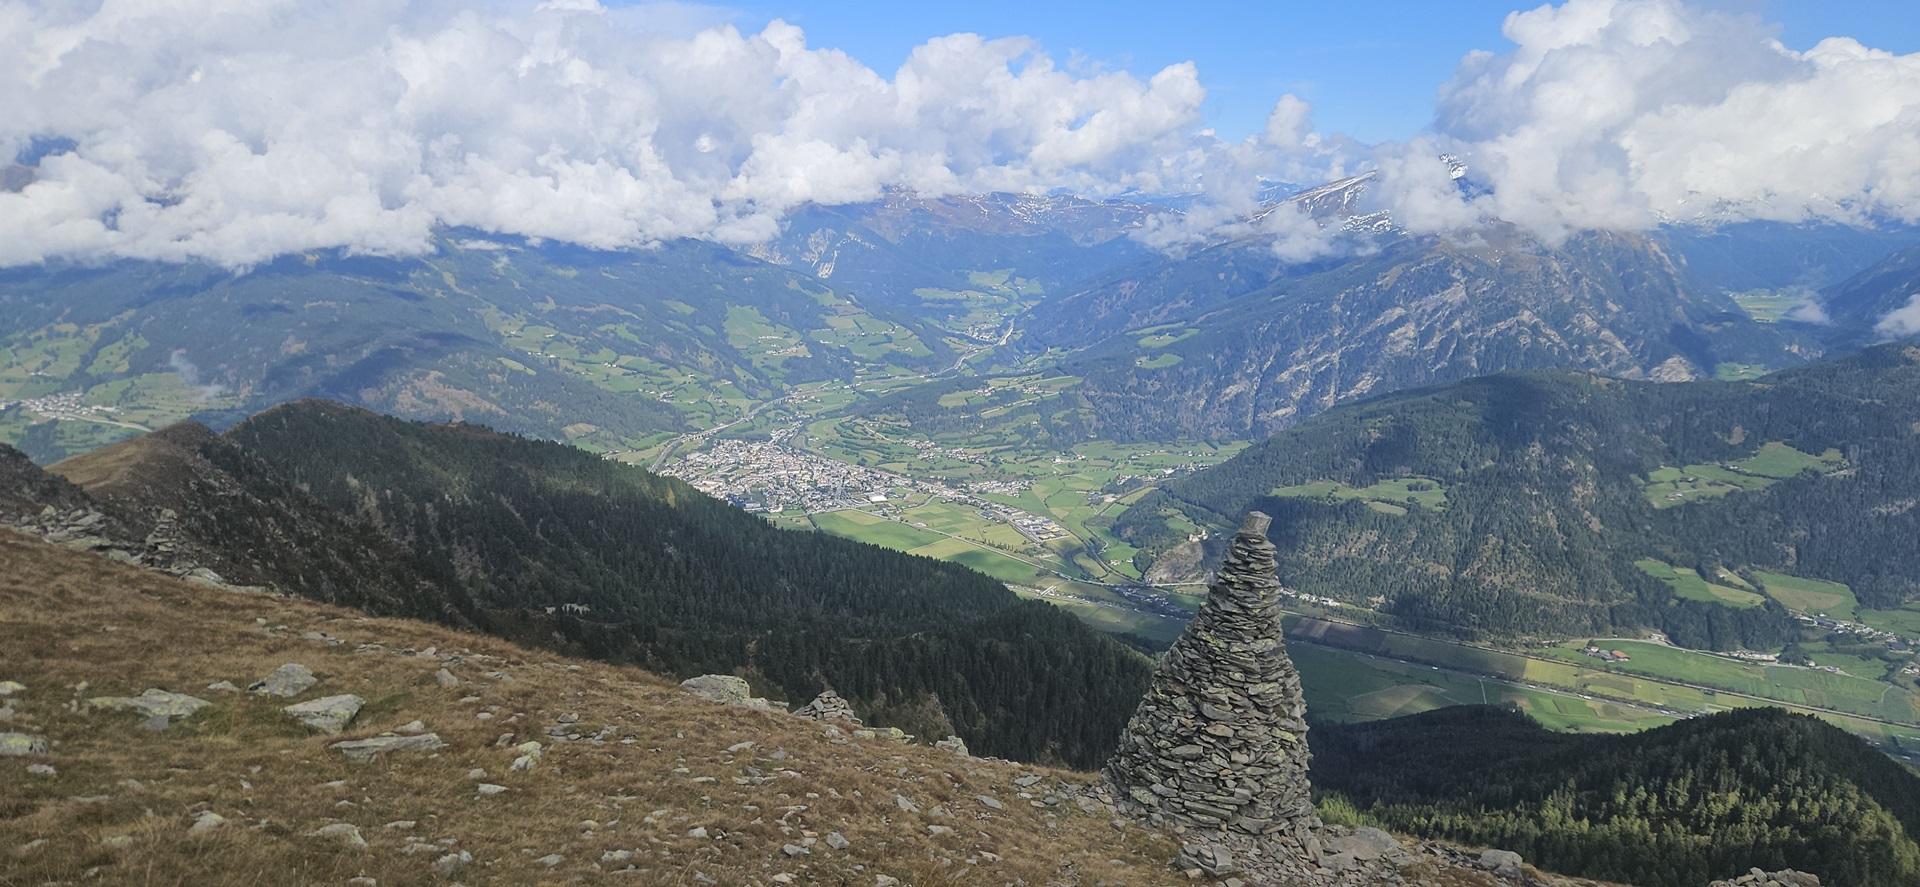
(1219, 743)
(828, 706)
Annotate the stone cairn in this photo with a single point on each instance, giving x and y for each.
(829, 706)
(1219, 743)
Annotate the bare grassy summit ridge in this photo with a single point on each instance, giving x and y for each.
(474, 760)
(632, 774)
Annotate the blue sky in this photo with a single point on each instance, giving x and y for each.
(1369, 68)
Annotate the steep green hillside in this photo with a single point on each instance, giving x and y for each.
(1544, 493)
(552, 545)
(1675, 806)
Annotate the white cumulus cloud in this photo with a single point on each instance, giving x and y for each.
(234, 130)
(1625, 114)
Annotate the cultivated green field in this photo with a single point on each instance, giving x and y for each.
(1342, 685)
(1769, 306)
(1162, 336)
(1785, 683)
(1815, 596)
(1904, 621)
(1395, 494)
(1668, 486)
(1687, 583)
(1629, 681)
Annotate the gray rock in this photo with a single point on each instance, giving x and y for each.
(8, 688)
(1761, 878)
(488, 789)
(838, 841)
(550, 860)
(223, 687)
(368, 749)
(1211, 859)
(328, 714)
(152, 702)
(990, 802)
(445, 678)
(411, 727)
(20, 745)
(156, 724)
(1366, 844)
(530, 754)
(446, 865)
(795, 850)
(206, 821)
(287, 681)
(41, 770)
(345, 832)
(1504, 863)
(953, 744)
(724, 688)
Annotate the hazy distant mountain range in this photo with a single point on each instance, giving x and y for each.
(620, 350)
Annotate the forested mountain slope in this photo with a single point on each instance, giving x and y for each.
(555, 546)
(1676, 806)
(1551, 502)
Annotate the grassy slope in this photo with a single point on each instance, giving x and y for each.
(66, 618)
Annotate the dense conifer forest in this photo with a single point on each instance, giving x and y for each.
(1677, 806)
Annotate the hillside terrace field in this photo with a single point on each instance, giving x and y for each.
(1815, 596)
(1687, 583)
(1391, 496)
(1667, 487)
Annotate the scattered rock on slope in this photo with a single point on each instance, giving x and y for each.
(368, 749)
(287, 681)
(153, 703)
(724, 688)
(328, 714)
(20, 745)
(1783, 878)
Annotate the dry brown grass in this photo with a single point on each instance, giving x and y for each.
(68, 618)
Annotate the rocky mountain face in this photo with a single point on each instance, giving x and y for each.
(1877, 303)
(557, 547)
(1233, 341)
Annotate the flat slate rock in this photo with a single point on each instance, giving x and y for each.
(368, 749)
(287, 681)
(328, 714)
(152, 703)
